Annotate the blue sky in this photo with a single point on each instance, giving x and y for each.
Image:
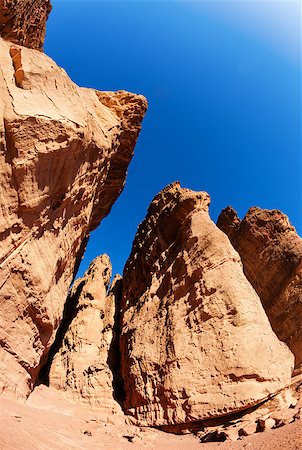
(223, 82)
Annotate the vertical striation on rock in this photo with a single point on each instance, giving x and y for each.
(81, 367)
(195, 341)
(271, 253)
(23, 22)
(64, 153)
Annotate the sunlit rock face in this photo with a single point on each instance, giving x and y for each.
(195, 341)
(271, 252)
(64, 153)
(82, 366)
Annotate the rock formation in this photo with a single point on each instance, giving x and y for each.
(271, 252)
(82, 365)
(195, 341)
(23, 22)
(64, 153)
(183, 341)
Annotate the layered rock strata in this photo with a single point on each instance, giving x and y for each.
(82, 366)
(195, 341)
(64, 153)
(23, 22)
(271, 252)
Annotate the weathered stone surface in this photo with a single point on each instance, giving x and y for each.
(271, 252)
(64, 153)
(195, 341)
(82, 366)
(276, 412)
(23, 22)
(266, 424)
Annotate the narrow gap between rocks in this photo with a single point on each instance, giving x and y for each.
(70, 310)
(114, 354)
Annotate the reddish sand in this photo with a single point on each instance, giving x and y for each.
(48, 421)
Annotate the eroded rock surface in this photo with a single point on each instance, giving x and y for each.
(82, 366)
(271, 252)
(195, 341)
(64, 153)
(23, 22)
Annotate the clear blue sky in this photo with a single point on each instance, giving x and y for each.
(223, 81)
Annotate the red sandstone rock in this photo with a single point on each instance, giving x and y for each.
(23, 22)
(195, 341)
(271, 252)
(64, 153)
(82, 366)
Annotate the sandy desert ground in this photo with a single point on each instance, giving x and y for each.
(49, 421)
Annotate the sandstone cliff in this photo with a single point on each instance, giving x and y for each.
(195, 341)
(271, 252)
(24, 21)
(82, 365)
(183, 341)
(64, 153)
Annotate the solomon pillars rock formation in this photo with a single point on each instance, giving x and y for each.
(64, 153)
(271, 252)
(195, 341)
(82, 365)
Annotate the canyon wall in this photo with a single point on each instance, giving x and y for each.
(183, 338)
(23, 22)
(271, 253)
(64, 153)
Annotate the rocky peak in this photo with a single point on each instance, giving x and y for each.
(168, 210)
(190, 321)
(228, 221)
(23, 22)
(101, 263)
(174, 197)
(271, 253)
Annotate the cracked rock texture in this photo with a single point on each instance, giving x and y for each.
(271, 252)
(82, 366)
(23, 22)
(195, 341)
(64, 153)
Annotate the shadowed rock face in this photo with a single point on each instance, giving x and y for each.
(82, 365)
(271, 253)
(64, 153)
(195, 341)
(23, 22)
